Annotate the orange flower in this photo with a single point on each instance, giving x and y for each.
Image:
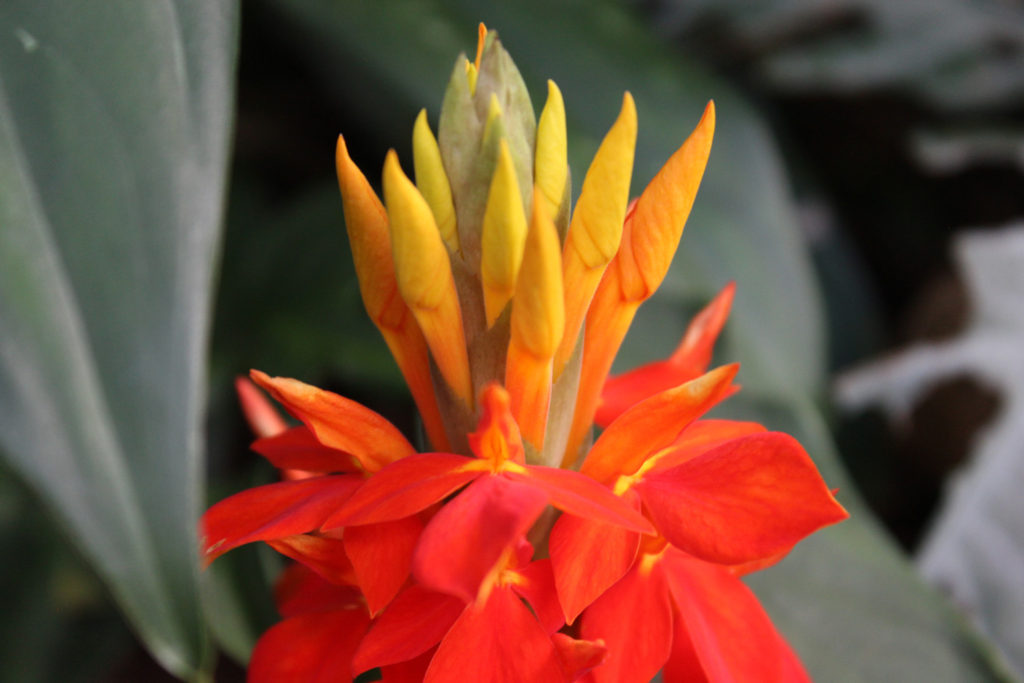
(504, 308)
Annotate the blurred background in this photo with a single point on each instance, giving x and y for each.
(169, 218)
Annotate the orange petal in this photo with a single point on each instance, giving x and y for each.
(338, 422)
(326, 556)
(312, 647)
(634, 619)
(536, 585)
(300, 590)
(263, 418)
(748, 499)
(578, 656)
(272, 511)
(464, 542)
(412, 624)
(405, 488)
(580, 495)
(690, 360)
(653, 424)
(298, 449)
(723, 627)
(498, 642)
(381, 556)
(588, 558)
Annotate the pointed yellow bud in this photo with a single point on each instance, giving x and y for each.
(471, 74)
(596, 227)
(502, 237)
(551, 168)
(424, 276)
(432, 181)
(493, 115)
(538, 320)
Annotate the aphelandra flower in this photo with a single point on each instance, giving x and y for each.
(519, 549)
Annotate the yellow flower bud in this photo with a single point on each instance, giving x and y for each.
(502, 237)
(551, 168)
(424, 276)
(432, 180)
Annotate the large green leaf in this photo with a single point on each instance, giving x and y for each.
(114, 120)
(847, 599)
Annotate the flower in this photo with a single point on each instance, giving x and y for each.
(517, 549)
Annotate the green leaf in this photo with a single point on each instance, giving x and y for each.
(847, 599)
(114, 121)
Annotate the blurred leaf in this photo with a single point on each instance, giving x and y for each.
(975, 548)
(114, 122)
(847, 599)
(956, 54)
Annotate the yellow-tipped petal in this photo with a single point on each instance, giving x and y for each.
(596, 227)
(432, 180)
(538, 320)
(551, 168)
(367, 226)
(424, 276)
(502, 237)
(661, 213)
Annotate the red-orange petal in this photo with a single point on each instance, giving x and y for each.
(298, 449)
(588, 558)
(465, 540)
(748, 499)
(411, 671)
(326, 556)
(272, 511)
(653, 424)
(690, 360)
(262, 416)
(537, 587)
(580, 495)
(313, 647)
(338, 422)
(578, 657)
(300, 590)
(381, 555)
(497, 642)
(730, 634)
(634, 619)
(404, 488)
(699, 438)
(412, 624)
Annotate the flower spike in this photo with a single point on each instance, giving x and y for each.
(596, 227)
(424, 277)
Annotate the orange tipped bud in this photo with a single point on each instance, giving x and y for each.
(424, 277)
(596, 227)
(367, 224)
(661, 213)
